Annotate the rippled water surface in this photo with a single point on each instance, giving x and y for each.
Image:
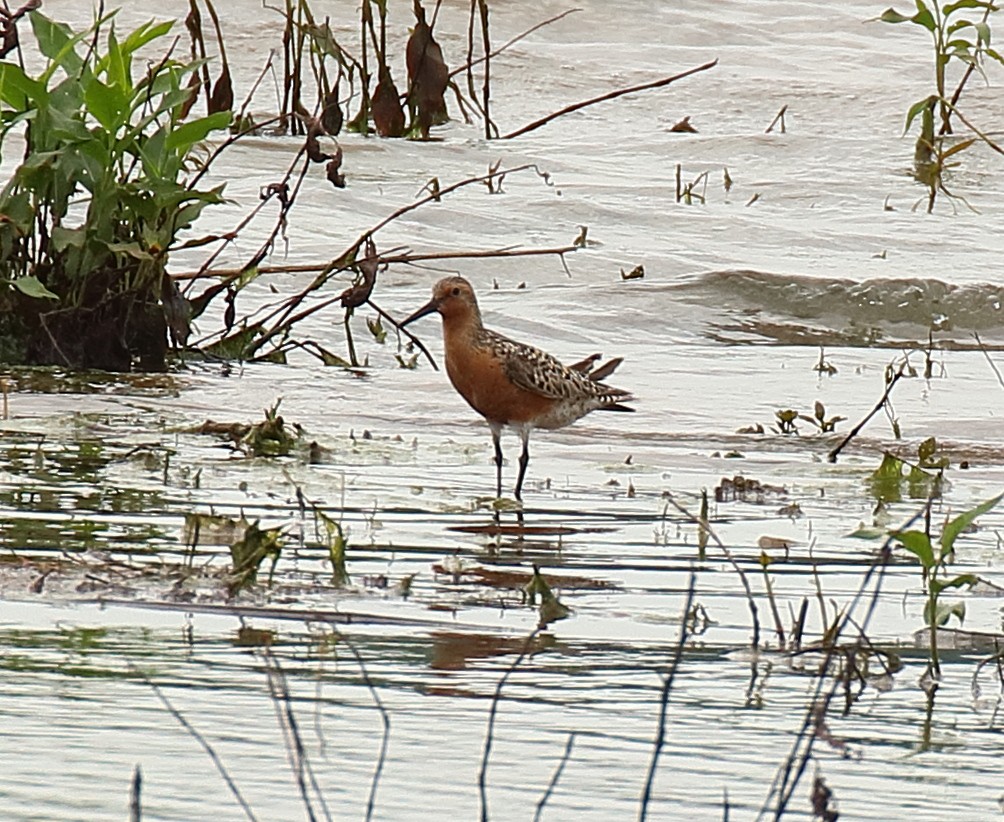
(105, 607)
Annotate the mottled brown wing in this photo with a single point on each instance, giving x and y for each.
(534, 370)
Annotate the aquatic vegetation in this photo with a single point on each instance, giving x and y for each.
(249, 552)
(824, 424)
(956, 38)
(551, 609)
(338, 545)
(106, 187)
(922, 479)
(934, 570)
(269, 438)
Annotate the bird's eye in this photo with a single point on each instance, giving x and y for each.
(456, 291)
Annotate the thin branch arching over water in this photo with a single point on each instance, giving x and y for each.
(555, 777)
(612, 95)
(384, 717)
(489, 734)
(667, 687)
(791, 770)
(198, 737)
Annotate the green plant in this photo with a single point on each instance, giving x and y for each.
(107, 184)
(249, 552)
(337, 544)
(924, 478)
(934, 570)
(785, 418)
(956, 38)
(819, 419)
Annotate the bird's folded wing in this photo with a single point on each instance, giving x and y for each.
(533, 370)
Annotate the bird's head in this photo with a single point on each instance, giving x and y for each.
(453, 298)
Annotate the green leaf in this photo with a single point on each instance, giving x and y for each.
(960, 581)
(963, 521)
(17, 89)
(951, 8)
(923, 17)
(868, 532)
(58, 42)
(113, 63)
(893, 16)
(144, 34)
(187, 135)
(133, 249)
(886, 481)
(995, 55)
(64, 237)
(108, 104)
(917, 108)
(983, 34)
(943, 612)
(927, 448)
(32, 287)
(917, 543)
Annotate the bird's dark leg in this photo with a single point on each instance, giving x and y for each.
(497, 442)
(524, 461)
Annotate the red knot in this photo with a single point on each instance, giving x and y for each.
(511, 383)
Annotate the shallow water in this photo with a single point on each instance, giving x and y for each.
(98, 474)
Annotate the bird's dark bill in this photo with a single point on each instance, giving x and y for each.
(428, 308)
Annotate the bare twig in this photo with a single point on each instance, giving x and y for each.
(779, 117)
(407, 258)
(415, 341)
(496, 698)
(946, 125)
(986, 354)
(52, 339)
(832, 456)
(612, 95)
(975, 130)
(279, 690)
(202, 741)
(384, 717)
(496, 52)
(732, 561)
(555, 777)
(135, 796)
(667, 687)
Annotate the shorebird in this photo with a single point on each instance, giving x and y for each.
(510, 383)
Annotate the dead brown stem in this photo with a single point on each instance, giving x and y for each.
(777, 117)
(832, 456)
(732, 561)
(986, 354)
(490, 253)
(975, 130)
(612, 95)
(513, 41)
